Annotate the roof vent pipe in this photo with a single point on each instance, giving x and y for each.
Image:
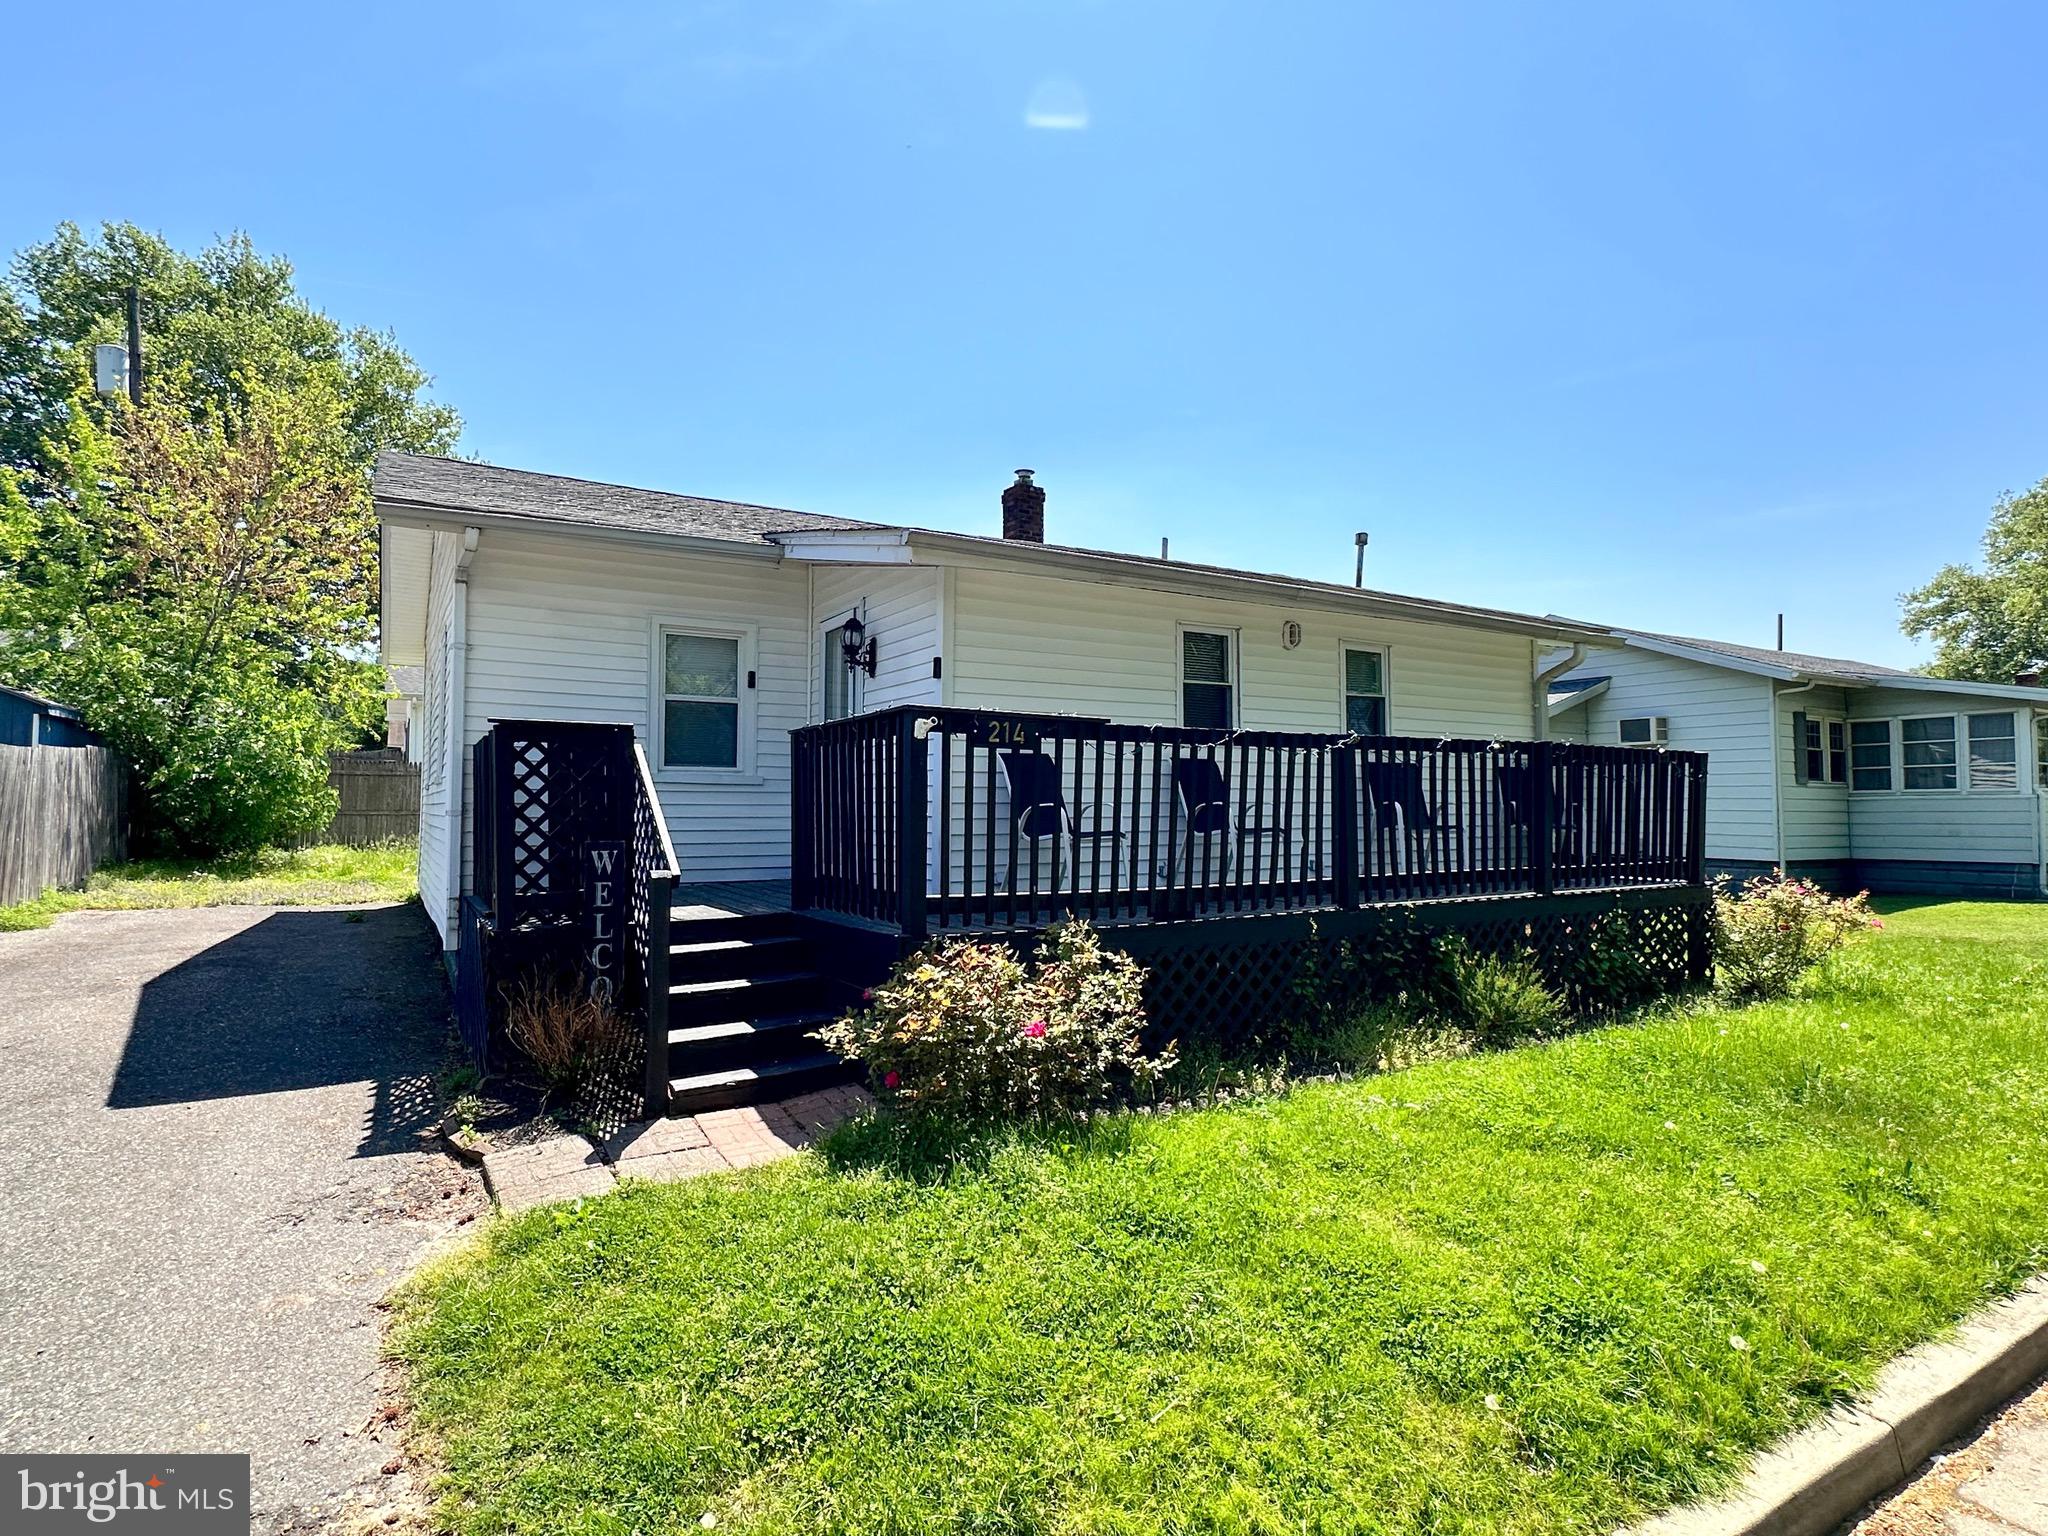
(1024, 510)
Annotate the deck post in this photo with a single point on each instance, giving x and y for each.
(660, 896)
(1543, 817)
(913, 809)
(1696, 823)
(802, 836)
(1344, 833)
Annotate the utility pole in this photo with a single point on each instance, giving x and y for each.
(135, 343)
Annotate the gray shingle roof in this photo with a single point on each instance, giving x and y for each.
(461, 485)
(1797, 661)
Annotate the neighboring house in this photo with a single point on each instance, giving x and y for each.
(715, 628)
(29, 720)
(1859, 775)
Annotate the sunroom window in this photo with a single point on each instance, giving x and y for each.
(1928, 751)
(1870, 754)
(1994, 752)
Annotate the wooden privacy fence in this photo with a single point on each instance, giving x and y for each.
(380, 799)
(63, 813)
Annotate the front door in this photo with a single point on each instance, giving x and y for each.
(839, 701)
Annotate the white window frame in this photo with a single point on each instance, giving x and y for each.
(1891, 746)
(743, 769)
(1180, 669)
(1895, 726)
(1386, 694)
(1956, 744)
(2040, 729)
(853, 674)
(1824, 780)
(1966, 771)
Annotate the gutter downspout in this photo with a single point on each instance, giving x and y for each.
(457, 744)
(1539, 688)
(1778, 768)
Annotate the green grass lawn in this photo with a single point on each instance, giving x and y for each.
(329, 875)
(1535, 1291)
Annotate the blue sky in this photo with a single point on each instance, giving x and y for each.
(1664, 315)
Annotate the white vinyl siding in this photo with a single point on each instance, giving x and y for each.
(1723, 713)
(1966, 824)
(1815, 814)
(1060, 645)
(900, 606)
(562, 628)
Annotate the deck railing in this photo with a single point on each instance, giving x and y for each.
(926, 819)
(572, 873)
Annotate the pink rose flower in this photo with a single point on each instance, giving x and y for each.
(867, 994)
(1035, 1030)
(891, 1079)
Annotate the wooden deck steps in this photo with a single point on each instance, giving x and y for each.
(744, 999)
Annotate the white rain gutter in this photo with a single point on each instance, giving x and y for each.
(1777, 767)
(1539, 689)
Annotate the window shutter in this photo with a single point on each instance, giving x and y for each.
(1799, 746)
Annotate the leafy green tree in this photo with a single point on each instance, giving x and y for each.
(198, 576)
(1992, 623)
(212, 321)
(198, 598)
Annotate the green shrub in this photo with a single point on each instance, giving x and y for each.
(967, 1031)
(1776, 929)
(1502, 1000)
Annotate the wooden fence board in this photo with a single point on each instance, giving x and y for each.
(380, 800)
(63, 813)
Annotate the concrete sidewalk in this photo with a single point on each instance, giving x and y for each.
(1995, 1485)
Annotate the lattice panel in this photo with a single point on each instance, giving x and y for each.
(1229, 987)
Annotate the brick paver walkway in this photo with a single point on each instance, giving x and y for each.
(567, 1167)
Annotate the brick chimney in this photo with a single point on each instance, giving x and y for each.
(2028, 679)
(1024, 510)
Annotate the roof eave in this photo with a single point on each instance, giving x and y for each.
(403, 512)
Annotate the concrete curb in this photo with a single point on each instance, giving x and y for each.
(1817, 1479)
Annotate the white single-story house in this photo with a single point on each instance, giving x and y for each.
(1862, 776)
(715, 628)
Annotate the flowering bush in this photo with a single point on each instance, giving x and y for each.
(968, 1030)
(1778, 928)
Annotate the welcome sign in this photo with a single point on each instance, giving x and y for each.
(604, 950)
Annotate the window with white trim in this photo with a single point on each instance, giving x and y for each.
(702, 701)
(1824, 750)
(1870, 754)
(1927, 751)
(1994, 751)
(1208, 678)
(2041, 750)
(1365, 691)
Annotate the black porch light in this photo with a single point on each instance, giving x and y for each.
(856, 647)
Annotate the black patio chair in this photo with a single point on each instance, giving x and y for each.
(1038, 811)
(1516, 785)
(1205, 811)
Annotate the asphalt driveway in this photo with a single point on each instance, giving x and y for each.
(208, 1131)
